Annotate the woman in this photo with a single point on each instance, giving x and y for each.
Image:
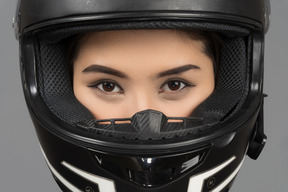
(150, 102)
(134, 70)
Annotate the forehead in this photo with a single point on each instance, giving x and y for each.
(140, 49)
(138, 38)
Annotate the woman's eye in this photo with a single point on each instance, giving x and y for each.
(174, 85)
(109, 87)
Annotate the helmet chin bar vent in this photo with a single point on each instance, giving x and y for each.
(147, 125)
(150, 171)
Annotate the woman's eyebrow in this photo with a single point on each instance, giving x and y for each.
(178, 70)
(103, 69)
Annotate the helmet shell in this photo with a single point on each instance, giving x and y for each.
(81, 162)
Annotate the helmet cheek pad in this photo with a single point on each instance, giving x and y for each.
(202, 153)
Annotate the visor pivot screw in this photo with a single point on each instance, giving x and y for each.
(211, 182)
(89, 189)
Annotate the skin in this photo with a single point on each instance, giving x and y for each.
(119, 73)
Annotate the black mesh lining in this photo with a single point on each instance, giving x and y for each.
(55, 83)
(232, 83)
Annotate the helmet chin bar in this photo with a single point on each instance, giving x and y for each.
(153, 170)
(151, 178)
(147, 125)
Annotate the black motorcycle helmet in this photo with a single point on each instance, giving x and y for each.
(151, 153)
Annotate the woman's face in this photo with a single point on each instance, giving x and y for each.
(119, 73)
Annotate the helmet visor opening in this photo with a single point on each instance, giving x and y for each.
(56, 88)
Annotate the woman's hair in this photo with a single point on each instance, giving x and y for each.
(212, 42)
(212, 46)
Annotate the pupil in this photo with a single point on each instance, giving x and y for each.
(107, 86)
(174, 85)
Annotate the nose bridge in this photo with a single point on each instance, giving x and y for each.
(142, 100)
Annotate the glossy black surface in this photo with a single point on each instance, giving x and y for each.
(256, 12)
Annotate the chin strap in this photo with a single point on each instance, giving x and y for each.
(259, 138)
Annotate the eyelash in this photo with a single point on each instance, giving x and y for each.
(183, 84)
(102, 82)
